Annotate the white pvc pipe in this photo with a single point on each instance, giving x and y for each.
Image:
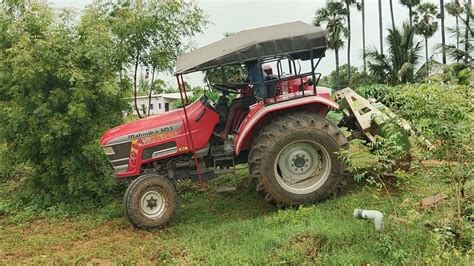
(370, 214)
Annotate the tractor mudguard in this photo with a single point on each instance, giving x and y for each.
(260, 114)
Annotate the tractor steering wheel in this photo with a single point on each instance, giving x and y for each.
(229, 88)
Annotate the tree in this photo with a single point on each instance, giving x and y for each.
(333, 16)
(145, 26)
(464, 48)
(455, 9)
(443, 36)
(348, 4)
(410, 4)
(61, 92)
(398, 66)
(468, 29)
(362, 7)
(357, 78)
(426, 25)
(380, 26)
(391, 14)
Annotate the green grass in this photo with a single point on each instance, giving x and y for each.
(240, 228)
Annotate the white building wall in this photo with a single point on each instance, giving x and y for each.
(160, 103)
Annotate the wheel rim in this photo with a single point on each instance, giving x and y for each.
(302, 167)
(152, 204)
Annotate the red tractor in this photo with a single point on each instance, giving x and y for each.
(290, 147)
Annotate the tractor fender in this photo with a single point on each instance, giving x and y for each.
(260, 114)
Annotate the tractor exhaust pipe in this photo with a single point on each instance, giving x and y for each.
(370, 214)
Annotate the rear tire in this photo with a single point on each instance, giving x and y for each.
(150, 201)
(294, 159)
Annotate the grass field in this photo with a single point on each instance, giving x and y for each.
(239, 227)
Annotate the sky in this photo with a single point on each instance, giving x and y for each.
(237, 15)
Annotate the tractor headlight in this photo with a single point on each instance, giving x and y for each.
(109, 151)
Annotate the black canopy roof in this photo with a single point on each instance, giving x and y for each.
(296, 39)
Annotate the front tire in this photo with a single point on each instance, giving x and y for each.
(294, 159)
(150, 201)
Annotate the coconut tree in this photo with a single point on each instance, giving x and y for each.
(333, 16)
(426, 25)
(463, 50)
(362, 8)
(410, 4)
(443, 36)
(468, 7)
(455, 9)
(380, 26)
(398, 65)
(348, 4)
(391, 14)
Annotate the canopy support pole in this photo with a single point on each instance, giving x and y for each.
(189, 135)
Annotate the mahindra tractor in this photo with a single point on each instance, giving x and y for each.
(291, 149)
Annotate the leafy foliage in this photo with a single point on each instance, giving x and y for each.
(333, 15)
(357, 78)
(64, 82)
(426, 25)
(151, 33)
(399, 65)
(443, 114)
(61, 93)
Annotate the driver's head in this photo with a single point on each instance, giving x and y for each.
(267, 69)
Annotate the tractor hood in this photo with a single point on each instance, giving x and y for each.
(156, 124)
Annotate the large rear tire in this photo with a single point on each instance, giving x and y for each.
(150, 201)
(294, 159)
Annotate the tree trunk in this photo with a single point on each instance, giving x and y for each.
(457, 33)
(380, 27)
(137, 60)
(391, 14)
(349, 76)
(363, 36)
(426, 58)
(337, 68)
(152, 86)
(443, 36)
(466, 36)
(410, 13)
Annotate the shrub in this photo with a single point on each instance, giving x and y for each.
(444, 116)
(59, 92)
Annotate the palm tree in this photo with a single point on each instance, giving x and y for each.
(398, 66)
(426, 25)
(380, 26)
(468, 29)
(443, 36)
(391, 14)
(455, 9)
(362, 7)
(349, 3)
(333, 15)
(410, 4)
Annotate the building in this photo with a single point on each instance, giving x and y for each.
(160, 103)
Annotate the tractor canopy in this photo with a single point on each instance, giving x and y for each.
(295, 39)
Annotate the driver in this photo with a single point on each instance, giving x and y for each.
(254, 78)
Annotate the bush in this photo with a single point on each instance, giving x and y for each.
(60, 92)
(444, 115)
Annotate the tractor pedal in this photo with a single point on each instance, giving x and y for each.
(224, 164)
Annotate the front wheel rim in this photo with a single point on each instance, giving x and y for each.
(302, 167)
(152, 204)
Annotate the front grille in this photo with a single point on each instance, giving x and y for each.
(121, 151)
(120, 156)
